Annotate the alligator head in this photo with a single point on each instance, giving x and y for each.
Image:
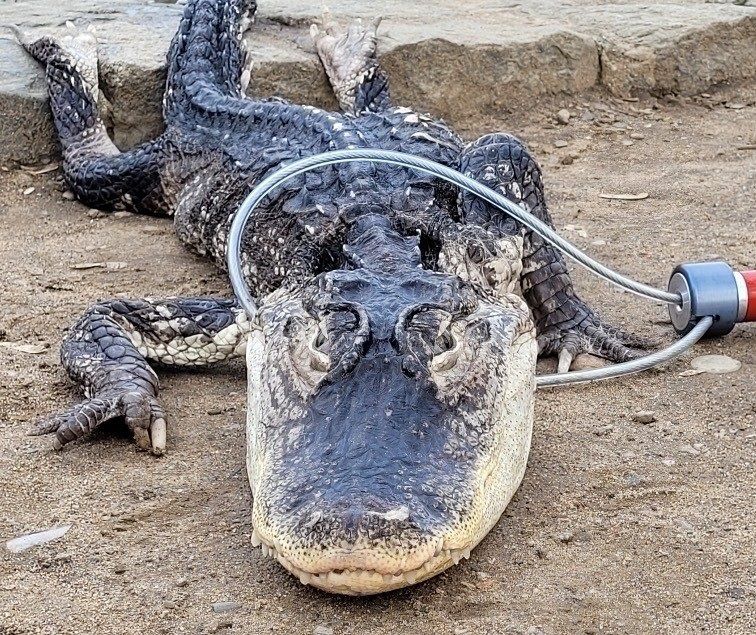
(389, 418)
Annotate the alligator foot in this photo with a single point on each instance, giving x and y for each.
(140, 411)
(76, 51)
(348, 55)
(585, 332)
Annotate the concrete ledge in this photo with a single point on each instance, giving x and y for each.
(454, 62)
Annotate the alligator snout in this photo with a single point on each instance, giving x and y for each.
(376, 548)
(361, 509)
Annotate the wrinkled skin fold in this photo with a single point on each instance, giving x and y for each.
(391, 365)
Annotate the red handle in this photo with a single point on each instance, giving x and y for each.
(750, 280)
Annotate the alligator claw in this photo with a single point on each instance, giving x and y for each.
(140, 411)
(565, 360)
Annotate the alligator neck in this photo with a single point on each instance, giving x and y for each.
(374, 244)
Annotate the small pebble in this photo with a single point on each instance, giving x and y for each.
(627, 142)
(633, 480)
(225, 607)
(561, 143)
(565, 536)
(603, 430)
(95, 213)
(119, 569)
(685, 525)
(122, 215)
(644, 416)
(321, 629)
(563, 116)
(568, 160)
(181, 582)
(169, 604)
(220, 625)
(68, 195)
(637, 136)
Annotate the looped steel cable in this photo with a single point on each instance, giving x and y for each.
(270, 183)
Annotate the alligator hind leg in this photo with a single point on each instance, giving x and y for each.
(349, 58)
(207, 60)
(108, 353)
(97, 172)
(566, 326)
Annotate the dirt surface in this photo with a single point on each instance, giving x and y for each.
(619, 527)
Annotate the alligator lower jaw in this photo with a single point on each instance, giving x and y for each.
(365, 581)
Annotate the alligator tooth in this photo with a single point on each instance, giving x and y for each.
(466, 554)
(456, 556)
(411, 576)
(304, 577)
(332, 578)
(256, 540)
(265, 549)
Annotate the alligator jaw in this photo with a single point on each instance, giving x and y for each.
(365, 581)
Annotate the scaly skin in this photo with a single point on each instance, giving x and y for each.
(391, 367)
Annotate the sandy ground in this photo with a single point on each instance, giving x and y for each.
(619, 527)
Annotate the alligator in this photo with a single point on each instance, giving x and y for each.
(391, 364)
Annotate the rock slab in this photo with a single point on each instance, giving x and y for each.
(457, 63)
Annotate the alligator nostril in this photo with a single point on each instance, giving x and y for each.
(367, 515)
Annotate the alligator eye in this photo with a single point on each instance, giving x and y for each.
(320, 341)
(446, 352)
(444, 342)
(308, 349)
(319, 349)
(340, 337)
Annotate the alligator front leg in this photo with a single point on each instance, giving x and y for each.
(565, 324)
(107, 353)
